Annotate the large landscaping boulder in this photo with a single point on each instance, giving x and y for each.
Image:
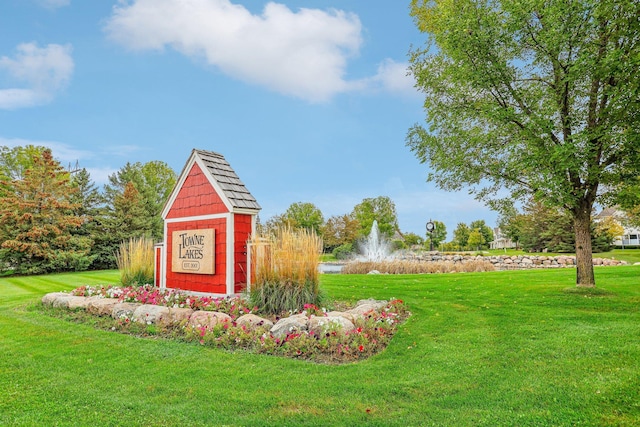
(74, 302)
(149, 314)
(178, 315)
(378, 304)
(363, 310)
(208, 319)
(252, 321)
(349, 316)
(320, 325)
(124, 310)
(49, 298)
(296, 323)
(102, 306)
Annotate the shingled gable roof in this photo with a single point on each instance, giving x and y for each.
(222, 176)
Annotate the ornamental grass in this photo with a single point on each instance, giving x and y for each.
(400, 266)
(135, 261)
(284, 268)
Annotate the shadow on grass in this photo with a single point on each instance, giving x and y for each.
(589, 292)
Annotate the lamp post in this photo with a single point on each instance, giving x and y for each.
(430, 227)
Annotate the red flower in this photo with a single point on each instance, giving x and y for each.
(361, 348)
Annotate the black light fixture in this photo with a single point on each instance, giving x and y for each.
(430, 228)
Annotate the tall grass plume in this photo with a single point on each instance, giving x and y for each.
(284, 269)
(135, 261)
(417, 267)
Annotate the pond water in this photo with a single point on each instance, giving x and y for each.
(330, 267)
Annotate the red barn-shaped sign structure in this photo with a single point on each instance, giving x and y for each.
(208, 220)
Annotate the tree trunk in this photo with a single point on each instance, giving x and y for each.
(584, 255)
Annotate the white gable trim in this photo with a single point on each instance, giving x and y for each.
(214, 183)
(195, 159)
(179, 183)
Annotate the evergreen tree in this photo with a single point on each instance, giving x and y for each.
(125, 219)
(154, 182)
(38, 222)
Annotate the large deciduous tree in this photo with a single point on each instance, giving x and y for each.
(531, 97)
(380, 209)
(14, 162)
(305, 215)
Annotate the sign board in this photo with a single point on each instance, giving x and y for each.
(193, 251)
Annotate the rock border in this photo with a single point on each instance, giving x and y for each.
(512, 262)
(157, 314)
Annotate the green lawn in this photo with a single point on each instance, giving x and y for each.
(517, 348)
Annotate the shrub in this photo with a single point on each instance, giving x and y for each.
(284, 270)
(135, 261)
(344, 251)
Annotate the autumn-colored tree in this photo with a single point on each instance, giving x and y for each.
(37, 221)
(339, 230)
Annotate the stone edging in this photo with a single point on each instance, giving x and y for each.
(514, 262)
(157, 314)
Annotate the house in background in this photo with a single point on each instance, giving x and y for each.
(500, 241)
(630, 235)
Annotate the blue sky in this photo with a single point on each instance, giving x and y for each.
(309, 101)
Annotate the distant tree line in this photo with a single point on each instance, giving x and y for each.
(53, 219)
(541, 228)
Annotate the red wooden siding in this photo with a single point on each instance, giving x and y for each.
(242, 227)
(215, 283)
(196, 197)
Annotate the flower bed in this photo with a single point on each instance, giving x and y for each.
(314, 333)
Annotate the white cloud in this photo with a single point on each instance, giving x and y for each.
(63, 152)
(44, 72)
(302, 54)
(391, 77)
(54, 4)
(100, 175)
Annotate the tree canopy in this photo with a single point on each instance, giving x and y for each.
(305, 215)
(153, 180)
(38, 222)
(381, 209)
(531, 98)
